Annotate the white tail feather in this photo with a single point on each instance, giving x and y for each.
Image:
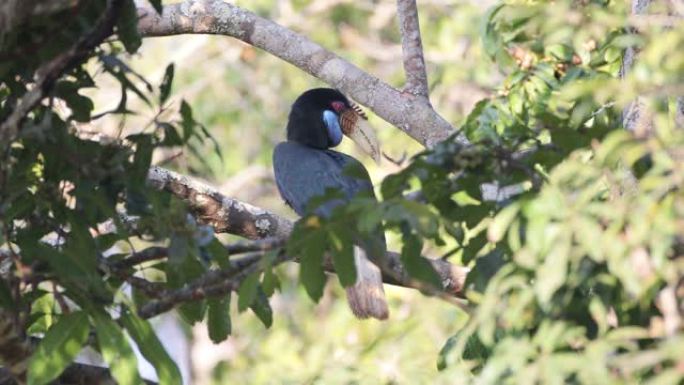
(367, 297)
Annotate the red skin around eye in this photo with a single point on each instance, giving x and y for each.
(338, 106)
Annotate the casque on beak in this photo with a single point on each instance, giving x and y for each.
(354, 124)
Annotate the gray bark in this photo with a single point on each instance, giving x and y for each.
(412, 114)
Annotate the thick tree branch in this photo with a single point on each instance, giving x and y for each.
(412, 49)
(228, 215)
(411, 114)
(225, 215)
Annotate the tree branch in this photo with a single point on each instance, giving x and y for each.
(412, 49)
(227, 215)
(413, 115)
(211, 284)
(635, 116)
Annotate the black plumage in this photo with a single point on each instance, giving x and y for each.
(305, 167)
(304, 172)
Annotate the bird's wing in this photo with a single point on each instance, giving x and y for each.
(303, 173)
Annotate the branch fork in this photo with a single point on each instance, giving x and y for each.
(408, 110)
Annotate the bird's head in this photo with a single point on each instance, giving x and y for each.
(320, 116)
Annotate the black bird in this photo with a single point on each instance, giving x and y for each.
(305, 167)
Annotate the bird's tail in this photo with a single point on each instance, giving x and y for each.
(367, 297)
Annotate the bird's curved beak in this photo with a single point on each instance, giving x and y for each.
(355, 125)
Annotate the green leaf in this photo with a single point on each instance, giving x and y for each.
(343, 256)
(116, 350)
(80, 105)
(417, 266)
(180, 274)
(270, 282)
(262, 308)
(309, 241)
(142, 158)
(57, 350)
(218, 253)
(6, 300)
(41, 312)
(127, 27)
(187, 121)
(501, 222)
(165, 87)
(151, 348)
(218, 318)
(248, 291)
(393, 185)
(171, 135)
(553, 272)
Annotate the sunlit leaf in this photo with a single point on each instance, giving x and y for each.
(218, 318)
(151, 348)
(58, 348)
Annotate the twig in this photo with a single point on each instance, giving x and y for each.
(212, 284)
(151, 289)
(397, 162)
(412, 49)
(256, 245)
(146, 255)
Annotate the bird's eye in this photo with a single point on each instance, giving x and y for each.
(338, 106)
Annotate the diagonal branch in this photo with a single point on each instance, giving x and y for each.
(224, 214)
(412, 49)
(415, 116)
(227, 215)
(211, 284)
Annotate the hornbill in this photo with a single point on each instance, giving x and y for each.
(305, 167)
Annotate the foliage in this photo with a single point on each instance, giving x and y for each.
(570, 223)
(577, 253)
(577, 273)
(60, 184)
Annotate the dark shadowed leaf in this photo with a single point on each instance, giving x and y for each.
(188, 122)
(270, 283)
(157, 4)
(341, 249)
(127, 27)
(218, 318)
(167, 82)
(248, 291)
(262, 308)
(417, 266)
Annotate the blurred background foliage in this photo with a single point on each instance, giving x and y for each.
(575, 240)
